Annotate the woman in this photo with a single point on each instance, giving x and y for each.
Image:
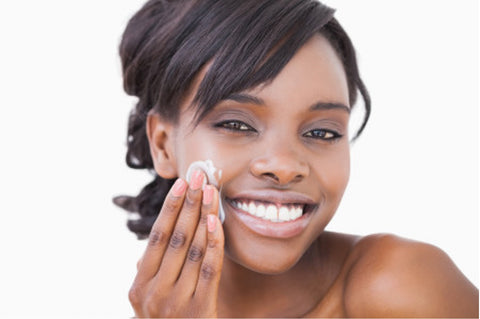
(264, 90)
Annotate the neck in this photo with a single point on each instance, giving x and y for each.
(246, 293)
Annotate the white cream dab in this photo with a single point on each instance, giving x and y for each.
(213, 177)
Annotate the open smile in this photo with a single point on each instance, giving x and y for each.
(273, 214)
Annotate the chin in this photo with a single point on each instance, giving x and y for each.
(273, 248)
(265, 266)
(265, 259)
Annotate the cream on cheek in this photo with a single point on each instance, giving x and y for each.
(213, 176)
(195, 151)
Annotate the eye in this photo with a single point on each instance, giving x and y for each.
(234, 125)
(323, 134)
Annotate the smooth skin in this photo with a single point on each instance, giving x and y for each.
(274, 140)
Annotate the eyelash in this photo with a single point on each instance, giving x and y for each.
(332, 138)
(234, 126)
(230, 125)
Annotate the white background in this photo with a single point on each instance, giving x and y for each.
(65, 249)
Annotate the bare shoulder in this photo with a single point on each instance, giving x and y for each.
(391, 276)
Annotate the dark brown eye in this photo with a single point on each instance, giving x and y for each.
(322, 134)
(235, 126)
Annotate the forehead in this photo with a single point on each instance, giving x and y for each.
(315, 73)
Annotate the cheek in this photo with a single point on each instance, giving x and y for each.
(200, 147)
(332, 167)
(334, 173)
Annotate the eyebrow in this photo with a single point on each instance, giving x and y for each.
(247, 98)
(329, 106)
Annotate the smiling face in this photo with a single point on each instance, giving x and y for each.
(283, 149)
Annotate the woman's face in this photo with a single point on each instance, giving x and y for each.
(284, 152)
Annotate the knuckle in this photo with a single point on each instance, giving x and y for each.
(154, 303)
(170, 206)
(195, 254)
(213, 243)
(178, 239)
(192, 200)
(208, 272)
(139, 262)
(203, 219)
(135, 296)
(157, 237)
(169, 311)
(151, 307)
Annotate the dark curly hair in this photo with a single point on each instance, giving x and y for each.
(167, 42)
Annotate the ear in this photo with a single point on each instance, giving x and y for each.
(160, 140)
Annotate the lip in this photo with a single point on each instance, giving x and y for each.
(260, 226)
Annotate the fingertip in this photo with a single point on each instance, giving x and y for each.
(179, 187)
(215, 231)
(211, 223)
(208, 194)
(210, 200)
(198, 179)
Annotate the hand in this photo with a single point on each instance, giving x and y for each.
(179, 273)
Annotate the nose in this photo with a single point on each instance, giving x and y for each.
(281, 165)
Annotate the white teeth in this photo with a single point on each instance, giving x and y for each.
(295, 212)
(299, 211)
(270, 212)
(252, 208)
(283, 214)
(245, 207)
(292, 213)
(260, 211)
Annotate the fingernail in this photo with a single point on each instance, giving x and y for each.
(207, 194)
(197, 180)
(211, 223)
(179, 187)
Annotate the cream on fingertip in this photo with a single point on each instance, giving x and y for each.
(213, 177)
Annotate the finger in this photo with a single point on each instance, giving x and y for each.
(191, 269)
(182, 235)
(211, 268)
(161, 231)
(139, 262)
